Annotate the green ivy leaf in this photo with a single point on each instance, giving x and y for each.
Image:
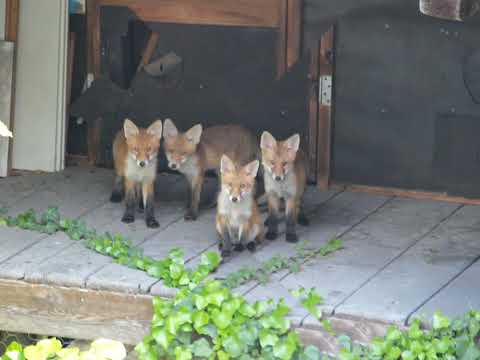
(267, 338)
(201, 348)
(162, 337)
(182, 353)
(210, 259)
(247, 310)
(200, 319)
(221, 319)
(310, 353)
(222, 355)
(233, 346)
(439, 321)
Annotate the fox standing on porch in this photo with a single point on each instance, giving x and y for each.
(135, 153)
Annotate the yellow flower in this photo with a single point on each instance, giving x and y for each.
(108, 349)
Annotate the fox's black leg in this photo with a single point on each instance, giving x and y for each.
(130, 202)
(149, 202)
(273, 216)
(118, 190)
(291, 214)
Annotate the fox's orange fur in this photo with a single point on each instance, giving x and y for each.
(135, 152)
(238, 220)
(285, 175)
(195, 151)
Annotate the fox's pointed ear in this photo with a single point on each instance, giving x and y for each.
(193, 135)
(251, 169)
(267, 141)
(226, 165)
(155, 129)
(129, 128)
(169, 129)
(293, 143)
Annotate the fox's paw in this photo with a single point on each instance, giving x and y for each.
(190, 216)
(303, 219)
(152, 223)
(116, 197)
(271, 235)
(239, 247)
(251, 246)
(291, 237)
(128, 218)
(225, 255)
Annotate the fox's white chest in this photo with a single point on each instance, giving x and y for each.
(136, 173)
(237, 214)
(190, 167)
(283, 189)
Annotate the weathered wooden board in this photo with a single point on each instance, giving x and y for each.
(370, 248)
(456, 298)
(27, 260)
(19, 186)
(424, 269)
(14, 241)
(70, 267)
(72, 312)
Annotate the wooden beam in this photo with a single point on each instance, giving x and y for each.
(70, 61)
(212, 12)
(12, 18)
(149, 50)
(294, 31)
(313, 111)
(73, 312)
(94, 132)
(326, 73)
(412, 194)
(93, 38)
(282, 10)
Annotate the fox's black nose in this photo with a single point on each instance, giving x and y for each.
(234, 199)
(173, 166)
(278, 178)
(142, 163)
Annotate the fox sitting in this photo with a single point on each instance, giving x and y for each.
(238, 220)
(135, 157)
(196, 151)
(285, 176)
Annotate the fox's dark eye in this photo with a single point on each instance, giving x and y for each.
(242, 186)
(284, 164)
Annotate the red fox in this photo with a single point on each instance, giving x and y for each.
(285, 176)
(238, 220)
(135, 157)
(195, 151)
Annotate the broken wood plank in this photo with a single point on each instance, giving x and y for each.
(149, 50)
(294, 31)
(449, 9)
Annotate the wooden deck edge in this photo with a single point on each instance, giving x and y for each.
(413, 194)
(359, 329)
(90, 314)
(73, 312)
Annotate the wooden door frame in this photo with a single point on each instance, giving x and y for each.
(12, 17)
(283, 15)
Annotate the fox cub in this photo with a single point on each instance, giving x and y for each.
(135, 157)
(238, 220)
(195, 151)
(285, 174)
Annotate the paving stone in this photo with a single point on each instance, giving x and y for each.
(27, 260)
(70, 267)
(456, 298)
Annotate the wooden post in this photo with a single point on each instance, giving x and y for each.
(313, 111)
(12, 17)
(325, 109)
(294, 31)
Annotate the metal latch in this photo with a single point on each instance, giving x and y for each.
(325, 90)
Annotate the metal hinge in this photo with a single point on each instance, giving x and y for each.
(325, 90)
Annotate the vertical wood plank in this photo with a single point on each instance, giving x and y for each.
(326, 56)
(12, 18)
(282, 38)
(149, 50)
(294, 31)
(313, 111)
(70, 59)
(93, 38)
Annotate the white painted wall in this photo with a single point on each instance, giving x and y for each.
(2, 19)
(40, 86)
